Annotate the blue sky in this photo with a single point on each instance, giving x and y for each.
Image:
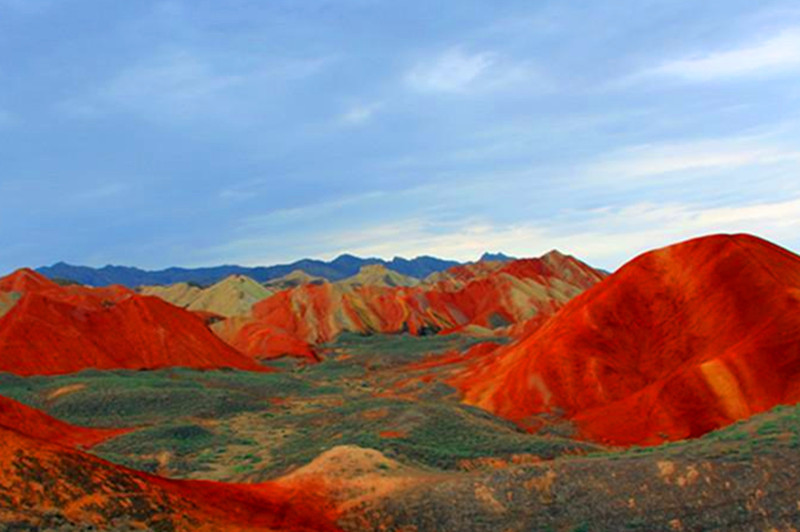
(157, 133)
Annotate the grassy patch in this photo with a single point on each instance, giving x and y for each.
(130, 398)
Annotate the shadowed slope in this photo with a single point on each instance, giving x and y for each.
(293, 279)
(678, 342)
(179, 294)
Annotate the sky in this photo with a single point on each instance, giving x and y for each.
(191, 133)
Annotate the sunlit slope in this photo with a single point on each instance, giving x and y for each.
(232, 296)
(378, 275)
(678, 342)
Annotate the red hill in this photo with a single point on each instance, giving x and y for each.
(61, 332)
(17, 416)
(26, 280)
(678, 342)
(87, 490)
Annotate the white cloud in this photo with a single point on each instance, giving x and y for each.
(180, 78)
(769, 56)
(456, 71)
(305, 213)
(609, 237)
(681, 160)
(360, 113)
(452, 71)
(603, 237)
(180, 84)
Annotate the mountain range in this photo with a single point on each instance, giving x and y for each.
(511, 394)
(339, 268)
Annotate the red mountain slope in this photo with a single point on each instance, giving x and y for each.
(38, 477)
(26, 280)
(29, 421)
(53, 330)
(678, 342)
(475, 298)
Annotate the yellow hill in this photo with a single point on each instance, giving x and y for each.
(292, 279)
(378, 275)
(232, 296)
(179, 294)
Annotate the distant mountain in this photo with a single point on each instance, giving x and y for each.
(496, 257)
(340, 268)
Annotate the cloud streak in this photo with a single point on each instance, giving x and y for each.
(182, 84)
(770, 56)
(605, 237)
(683, 160)
(360, 114)
(453, 71)
(456, 71)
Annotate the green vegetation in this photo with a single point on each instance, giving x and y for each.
(186, 447)
(261, 425)
(764, 434)
(384, 351)
(231, 424)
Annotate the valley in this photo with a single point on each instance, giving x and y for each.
(436, 404)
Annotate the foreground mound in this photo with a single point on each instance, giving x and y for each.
(743, 478)
(53, 329)
(678, 342)
(85, 490)
(478, 299)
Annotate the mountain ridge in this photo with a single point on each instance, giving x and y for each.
(341, 267)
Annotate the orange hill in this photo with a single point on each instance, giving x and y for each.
(678, 342)
(53, 330)
(87, 490)
(477, 298)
